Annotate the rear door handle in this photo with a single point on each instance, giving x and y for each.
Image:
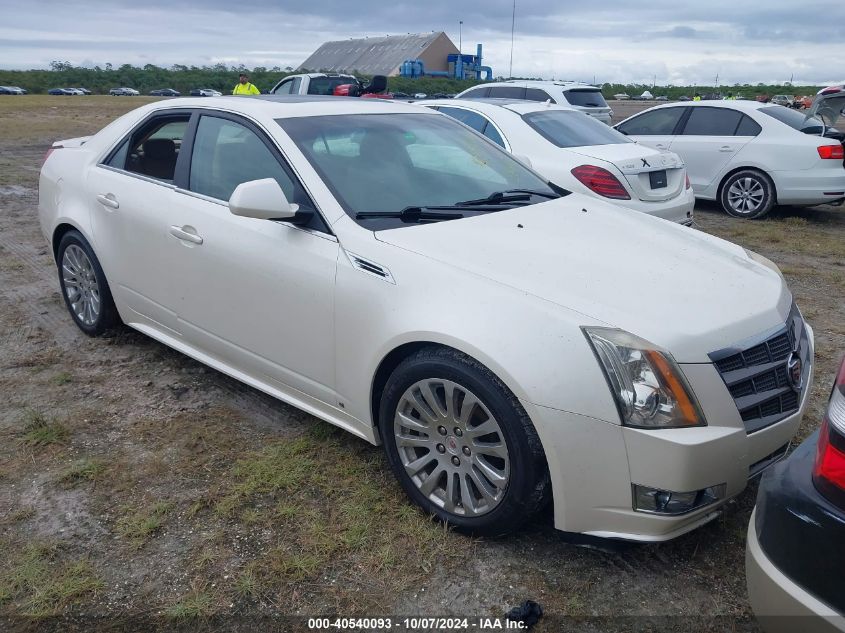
(180, 233)
(726, 148)
(108, 200)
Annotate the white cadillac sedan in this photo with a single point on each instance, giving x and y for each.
(390, 271)
(577, 152)
(749, 156)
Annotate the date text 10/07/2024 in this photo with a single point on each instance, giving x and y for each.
(420, 623)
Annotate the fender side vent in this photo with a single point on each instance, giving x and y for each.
(371, 268)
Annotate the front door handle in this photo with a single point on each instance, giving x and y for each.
(726, 148)
(181, 233)
(108, 200)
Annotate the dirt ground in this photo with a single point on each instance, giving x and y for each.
(140, 490)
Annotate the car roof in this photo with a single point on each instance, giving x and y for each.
(519, 106)
(540, 83)
(738, 104)
(285, 106)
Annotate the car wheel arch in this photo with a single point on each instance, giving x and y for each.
(736, 170)
(394, 358)
(60, 231)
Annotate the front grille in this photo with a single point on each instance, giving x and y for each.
(756, 374)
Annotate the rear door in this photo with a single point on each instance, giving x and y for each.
(131, 193)
(708, 141)
(654, 128)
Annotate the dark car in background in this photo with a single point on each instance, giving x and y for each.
(12, 90)
(795, 554)
(64, 92)
(165, 92)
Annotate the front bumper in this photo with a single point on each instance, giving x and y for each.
(593, 463)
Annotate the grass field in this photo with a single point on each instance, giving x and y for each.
(138, 486)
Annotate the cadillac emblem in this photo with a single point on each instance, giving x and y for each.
(794, 371)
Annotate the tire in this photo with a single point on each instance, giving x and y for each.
(490, 491)
(84, 287)
(748, 194)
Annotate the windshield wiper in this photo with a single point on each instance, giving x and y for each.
(510, 195)
(414, 214)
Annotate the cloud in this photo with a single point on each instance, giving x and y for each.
(663, 41)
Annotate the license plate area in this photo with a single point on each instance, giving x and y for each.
(657, 179)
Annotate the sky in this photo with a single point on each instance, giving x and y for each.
(617, 41)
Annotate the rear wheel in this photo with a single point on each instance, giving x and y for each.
(84, 286)
(460, 443)
(748, 194)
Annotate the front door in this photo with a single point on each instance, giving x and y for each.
(259, 294)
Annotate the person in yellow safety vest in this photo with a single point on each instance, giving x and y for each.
(697, 97)
(243, 87)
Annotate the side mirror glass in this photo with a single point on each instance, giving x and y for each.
(261, 199)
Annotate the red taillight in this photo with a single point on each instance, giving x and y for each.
(50, 151)
(600, 181)
(832, 151)
(688, 185)
(829, 468)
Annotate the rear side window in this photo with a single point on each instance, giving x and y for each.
(535, 94)
(660, 122)
(477, 93)
(226, 154)
(153, 149)
(748, 127)
(712, 122)
(585, 98)
(793, 119)
(476, 121)
(507, 92)
(472, 119)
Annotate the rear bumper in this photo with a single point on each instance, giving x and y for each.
(810, 186)
(781, 605)
(678, 209)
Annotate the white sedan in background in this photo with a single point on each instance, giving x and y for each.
(747, 155)
(577, 152)
(390, 271)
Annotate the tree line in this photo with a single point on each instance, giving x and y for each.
(101, 79)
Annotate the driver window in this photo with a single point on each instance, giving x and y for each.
(227, 154)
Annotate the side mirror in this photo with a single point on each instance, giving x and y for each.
(263, 200)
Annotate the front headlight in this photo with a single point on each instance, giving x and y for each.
(649, 388)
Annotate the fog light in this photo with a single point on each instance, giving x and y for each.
(667, 502)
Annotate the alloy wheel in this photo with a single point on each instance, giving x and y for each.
(80, 285)
(452, 447)
(746, 195)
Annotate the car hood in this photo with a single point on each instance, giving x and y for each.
(682, 289)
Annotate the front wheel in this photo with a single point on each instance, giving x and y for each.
(460, 443)
(748, 194)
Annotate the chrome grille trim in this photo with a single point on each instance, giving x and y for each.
(755, 373)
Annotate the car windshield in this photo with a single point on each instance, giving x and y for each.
(565, 128)
(794, 119)
(586, 98)
(387, 163)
